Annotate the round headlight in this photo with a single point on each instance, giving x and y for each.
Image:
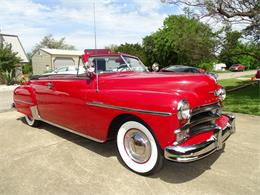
(183, 110)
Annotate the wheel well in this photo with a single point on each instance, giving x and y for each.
(117, 122)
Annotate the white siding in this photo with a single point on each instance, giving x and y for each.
(40, 61)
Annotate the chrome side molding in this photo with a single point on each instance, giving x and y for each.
(24, 102)
(100, 104)
(35, 113)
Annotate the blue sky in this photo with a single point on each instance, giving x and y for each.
(117, 21)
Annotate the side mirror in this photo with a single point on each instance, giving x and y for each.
(155, 67)
(91, 75)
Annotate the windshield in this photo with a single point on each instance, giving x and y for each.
(108, 64)
(135, 64)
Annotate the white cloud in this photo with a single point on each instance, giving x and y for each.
(116, 23)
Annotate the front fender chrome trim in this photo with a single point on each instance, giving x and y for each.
(100, 104)
(24, 102)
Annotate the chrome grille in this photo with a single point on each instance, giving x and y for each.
(203, 118)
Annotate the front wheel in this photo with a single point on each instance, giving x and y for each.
(31, 121)
(138, 148)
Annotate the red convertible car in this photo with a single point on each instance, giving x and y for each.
(151, 116)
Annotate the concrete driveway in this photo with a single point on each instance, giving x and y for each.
(230, 75)
(6, 97)
(48, 160)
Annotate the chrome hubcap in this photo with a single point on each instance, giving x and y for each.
(137, 146)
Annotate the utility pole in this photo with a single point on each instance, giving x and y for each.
(95, 31)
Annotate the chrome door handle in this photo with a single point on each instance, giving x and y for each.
(49, 84)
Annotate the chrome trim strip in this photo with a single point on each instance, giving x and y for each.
(35, 113)
(36, 116)
(203, 128)
(25, 102)
(100, 104)
(205, 108)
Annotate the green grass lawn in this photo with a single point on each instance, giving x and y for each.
(246, 100)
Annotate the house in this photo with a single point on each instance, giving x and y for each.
(219, 67)
(45, 60)
(16, 46)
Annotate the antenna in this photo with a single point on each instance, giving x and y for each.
(95, 38)
(95, 31)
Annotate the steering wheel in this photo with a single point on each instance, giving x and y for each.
(122, 67)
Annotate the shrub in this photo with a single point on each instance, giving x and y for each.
(9, 77)
(27, 69)
(208, 66)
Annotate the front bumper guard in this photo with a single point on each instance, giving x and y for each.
(198, 151)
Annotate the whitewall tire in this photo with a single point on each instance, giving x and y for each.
(138, 148)
(31, 121)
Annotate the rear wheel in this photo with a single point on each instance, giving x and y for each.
(31, 121)
(138, 148)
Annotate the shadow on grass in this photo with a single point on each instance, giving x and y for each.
(171, 173)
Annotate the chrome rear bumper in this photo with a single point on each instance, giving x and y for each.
(198, 151)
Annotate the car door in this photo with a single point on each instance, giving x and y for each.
(62, 101)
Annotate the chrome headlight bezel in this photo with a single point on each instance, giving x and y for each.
(183, 110)
(221, 93)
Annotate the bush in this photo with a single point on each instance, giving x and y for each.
(27, 69)
(8, 62)
(9, 77)
(208, 66)
(248, 61)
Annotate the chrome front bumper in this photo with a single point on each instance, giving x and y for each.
(198, 151)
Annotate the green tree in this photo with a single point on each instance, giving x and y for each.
(8, 62)
(181, 40)
(27, 68)
(132, 49)
(49, 42)
(246, 12)
(231, 46)
(234, 51)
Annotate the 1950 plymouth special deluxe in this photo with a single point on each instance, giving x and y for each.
(152, 116)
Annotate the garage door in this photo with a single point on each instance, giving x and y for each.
(60, 62)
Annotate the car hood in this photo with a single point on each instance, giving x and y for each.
(198, 89)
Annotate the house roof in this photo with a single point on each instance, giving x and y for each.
(63, 52)
(16, 46)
